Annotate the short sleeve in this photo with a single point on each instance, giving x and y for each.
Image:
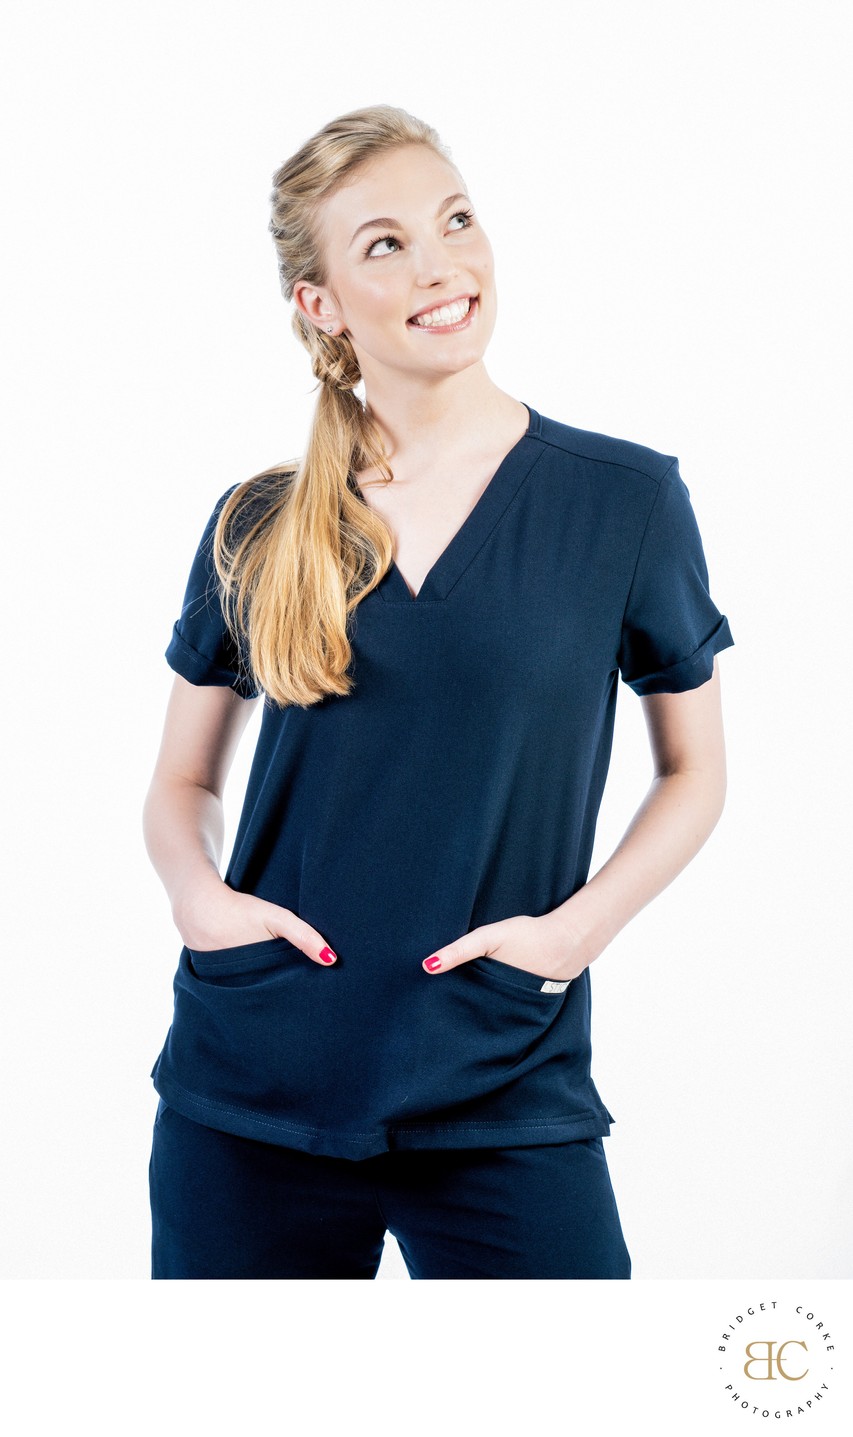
(671, 628)
(202, 648)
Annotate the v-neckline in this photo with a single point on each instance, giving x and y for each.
(459, 552)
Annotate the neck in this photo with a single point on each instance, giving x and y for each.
(453, 416)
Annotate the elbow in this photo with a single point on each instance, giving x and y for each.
(714, 789)
(706, 789)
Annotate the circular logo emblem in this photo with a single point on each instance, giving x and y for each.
(776, 1359)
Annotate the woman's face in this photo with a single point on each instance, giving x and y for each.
(400, 239)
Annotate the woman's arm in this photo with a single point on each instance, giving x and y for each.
(183, 824)
(680, 811)
(183, 819)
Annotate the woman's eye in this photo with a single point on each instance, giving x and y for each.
(467, 215)
(385, 239)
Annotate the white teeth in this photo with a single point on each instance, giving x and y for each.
(447, 314)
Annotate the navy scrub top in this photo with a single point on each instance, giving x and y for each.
(458, 784)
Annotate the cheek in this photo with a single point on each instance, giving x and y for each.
(484, 257)
(377, 304)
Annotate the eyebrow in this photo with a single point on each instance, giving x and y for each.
(395, 224)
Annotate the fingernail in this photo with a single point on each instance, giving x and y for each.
(327, 955)
(432, 963)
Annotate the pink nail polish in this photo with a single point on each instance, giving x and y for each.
(327, 955)
(432, 963)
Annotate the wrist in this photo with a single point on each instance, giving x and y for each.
(195, 896)
(582, 925)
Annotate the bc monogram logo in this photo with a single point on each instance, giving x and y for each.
(798, 1359)
(772, 1361)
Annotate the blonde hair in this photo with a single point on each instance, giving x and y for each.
(296, 548)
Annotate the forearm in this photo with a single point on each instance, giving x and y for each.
(184, 829)
(675, 819)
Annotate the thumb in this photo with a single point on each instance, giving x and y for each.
(472, 945)
(287, 924)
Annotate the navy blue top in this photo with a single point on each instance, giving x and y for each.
(457, 785)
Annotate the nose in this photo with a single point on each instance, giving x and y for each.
(436, 265)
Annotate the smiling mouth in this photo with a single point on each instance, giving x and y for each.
(460, 313)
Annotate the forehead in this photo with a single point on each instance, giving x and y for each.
(406, 179)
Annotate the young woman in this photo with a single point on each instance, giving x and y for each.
(382, 1012)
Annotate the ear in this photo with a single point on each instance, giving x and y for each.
(314, 304)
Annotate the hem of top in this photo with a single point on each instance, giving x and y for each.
(337, 1142)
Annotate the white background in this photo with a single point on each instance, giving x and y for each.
(662, 185)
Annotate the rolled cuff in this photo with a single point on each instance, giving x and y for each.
(688, 673)
(200, 670)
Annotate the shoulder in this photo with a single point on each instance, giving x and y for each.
(604, 456)
(252, 501)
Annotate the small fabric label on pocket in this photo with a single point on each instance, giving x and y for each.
(551, 986)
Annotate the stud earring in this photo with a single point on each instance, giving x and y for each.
(329, 328)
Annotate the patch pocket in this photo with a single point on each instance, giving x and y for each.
(495, 970)
(241, 964)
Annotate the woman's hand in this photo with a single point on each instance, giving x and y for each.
(544, 946)
(219, 917)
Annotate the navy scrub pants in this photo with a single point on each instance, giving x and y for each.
(231, 1207)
